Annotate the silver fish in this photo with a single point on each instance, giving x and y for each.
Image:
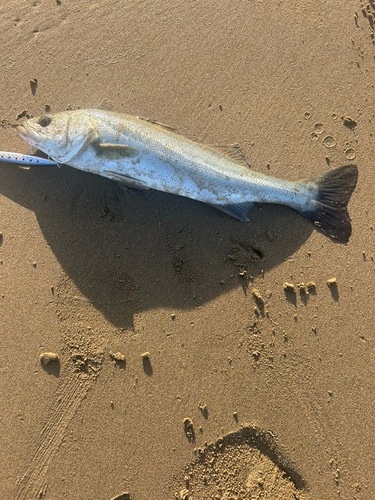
(146, 154)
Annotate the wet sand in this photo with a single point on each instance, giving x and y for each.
(185, 367)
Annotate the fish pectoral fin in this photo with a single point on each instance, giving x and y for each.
(125, 179)
(238, 210)
(232, 151)
(115, 151)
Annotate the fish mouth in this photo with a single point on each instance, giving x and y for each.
(21, 131)
(27, 134)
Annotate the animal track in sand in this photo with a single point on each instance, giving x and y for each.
(368, 12)
(318, 128)
(329, 141)
(82, 344)
(350, 154)
(241, 465)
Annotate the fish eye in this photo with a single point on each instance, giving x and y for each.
(44, 121)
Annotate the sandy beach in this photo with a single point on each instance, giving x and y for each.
(199, 357)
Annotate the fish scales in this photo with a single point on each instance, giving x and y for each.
(148, 155)
(175, 164)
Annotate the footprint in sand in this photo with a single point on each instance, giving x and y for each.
(242, 465)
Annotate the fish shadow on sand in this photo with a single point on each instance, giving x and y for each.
(128, 250)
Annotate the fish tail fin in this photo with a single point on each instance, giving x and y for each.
(329, 209)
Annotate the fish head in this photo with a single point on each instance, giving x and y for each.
(62, 136)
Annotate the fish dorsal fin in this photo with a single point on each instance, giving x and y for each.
(232, 151)
(154, 122)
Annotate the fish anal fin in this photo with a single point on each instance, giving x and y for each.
(115, 151)
(238, 210)
(232, 151)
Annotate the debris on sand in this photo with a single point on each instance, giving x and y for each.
(48, 357)
(349, 121)
(203, 408)
(289, 287)
(307, 288)
(332, 285)
(23, 113)
(189, 430)
(184, 494)
(33, 85)
(310, 285)
(332, 282)
(257, 296)
(118, 359)
(259, 301)
(147, 367)
(290, 293)
(117, 356)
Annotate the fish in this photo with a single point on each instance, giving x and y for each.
(146, 154)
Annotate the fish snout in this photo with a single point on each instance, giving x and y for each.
(21, 131)
(28, 134)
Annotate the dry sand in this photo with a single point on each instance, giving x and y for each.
(248, 390)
